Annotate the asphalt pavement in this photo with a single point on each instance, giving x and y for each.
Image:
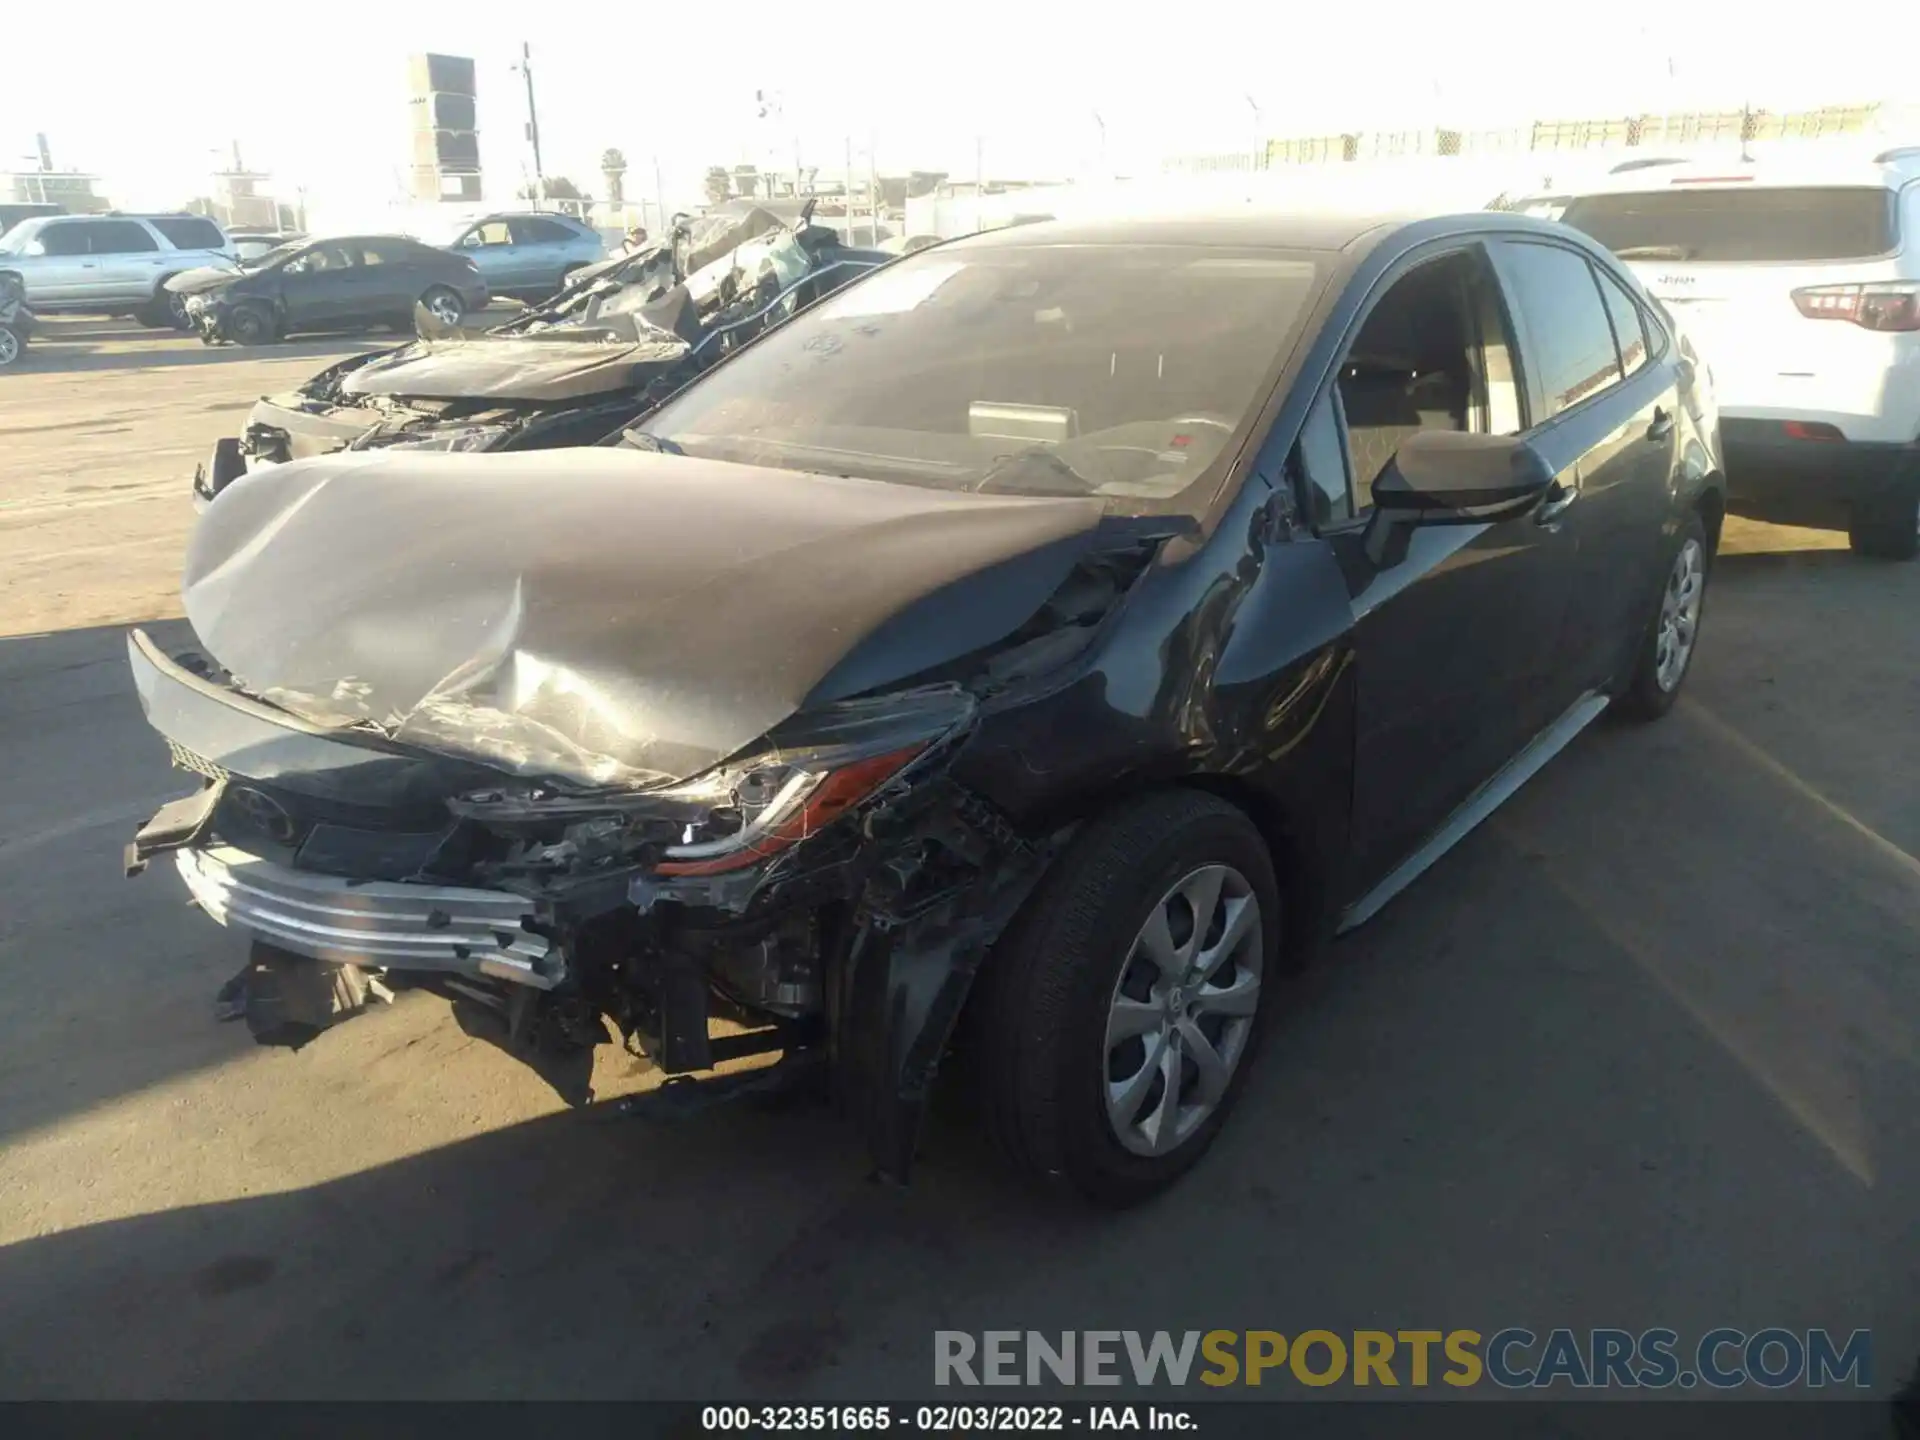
(1640, 1052)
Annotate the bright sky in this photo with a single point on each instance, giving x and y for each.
(316, 95)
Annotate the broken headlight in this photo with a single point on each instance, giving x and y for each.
(812, 771)
(457, 437)
(806, 774)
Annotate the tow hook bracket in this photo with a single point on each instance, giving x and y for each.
(175, 824)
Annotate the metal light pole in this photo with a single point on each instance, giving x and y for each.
(1259, 144)
(1103, 143)
(979, 180)
(525, 67)
(873, 189)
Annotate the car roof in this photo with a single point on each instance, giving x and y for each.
(1331, 229)
(1817, 166)
(560, 215)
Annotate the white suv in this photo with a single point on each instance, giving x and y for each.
(111, 264)
(1799, 280)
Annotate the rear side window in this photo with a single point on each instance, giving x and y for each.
(1629, 323)
(541, 232)
(1569, 340)
(119, 237)
(1735, 226)
(189, 232)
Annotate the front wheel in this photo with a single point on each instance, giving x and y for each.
(1666, 651)
(443, 305)
(1118, 1016)
(1890, 528)
(249, 325)
(12, 346)
(166, 311)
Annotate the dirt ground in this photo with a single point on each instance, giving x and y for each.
(1640, 1052)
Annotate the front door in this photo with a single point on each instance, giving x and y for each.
(323, 288)
(1456, 663)
(490, 246)
(130, 262)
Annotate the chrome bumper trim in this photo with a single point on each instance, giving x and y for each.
(375, 923)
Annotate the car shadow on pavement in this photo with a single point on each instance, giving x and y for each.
(1640, 1052)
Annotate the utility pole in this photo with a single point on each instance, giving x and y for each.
(660, 196)
(979, 179)
(525, 68)
(1259, 152)
(873, 188)
(848, 209)
(1103, 143)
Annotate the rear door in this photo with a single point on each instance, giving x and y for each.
(1602, 379)
(1727, 257)
(389, 278)
(544, 247)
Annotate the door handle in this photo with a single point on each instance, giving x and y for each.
(1662, 425)
(1554, 505)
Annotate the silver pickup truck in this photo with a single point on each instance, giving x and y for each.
(111, 264)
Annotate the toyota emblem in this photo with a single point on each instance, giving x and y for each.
(263, 812)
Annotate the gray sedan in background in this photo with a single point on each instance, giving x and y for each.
(527, 256)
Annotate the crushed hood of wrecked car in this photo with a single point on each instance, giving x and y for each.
(603, 617)
(502, 368)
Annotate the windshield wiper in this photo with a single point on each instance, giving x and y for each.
(634, 438)
(1045, 458)
(1655, 252)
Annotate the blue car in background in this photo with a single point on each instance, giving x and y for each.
(528, 255)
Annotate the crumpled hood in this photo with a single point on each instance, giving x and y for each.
(505, 368)
(203, 278)
(603, 616)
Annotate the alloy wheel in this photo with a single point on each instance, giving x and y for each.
(1679, 615)
(445, 308)
(1182, 1010)
(9, 346)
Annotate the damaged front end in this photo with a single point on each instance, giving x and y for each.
(826, 896)
(613, 759)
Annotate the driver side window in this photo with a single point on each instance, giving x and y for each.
(1432, 353)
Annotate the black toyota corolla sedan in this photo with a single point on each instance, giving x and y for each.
(1026, 654)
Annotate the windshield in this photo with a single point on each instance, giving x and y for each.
(16, 240)
(1772, 225)
(1116, 370)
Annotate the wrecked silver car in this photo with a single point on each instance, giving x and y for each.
(623, 335)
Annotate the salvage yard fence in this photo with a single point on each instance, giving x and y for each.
(1711, 129)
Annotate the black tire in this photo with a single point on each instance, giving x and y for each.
(249, 324)
(441, 295)
(1890, 528)
(1037, 1024)
(13, 347)
(166, 311)
(1651, 690)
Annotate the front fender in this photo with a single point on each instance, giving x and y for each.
(905, 978)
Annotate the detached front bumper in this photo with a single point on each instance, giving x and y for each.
(395, 925)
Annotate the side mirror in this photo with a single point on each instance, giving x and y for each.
(1446, 477)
